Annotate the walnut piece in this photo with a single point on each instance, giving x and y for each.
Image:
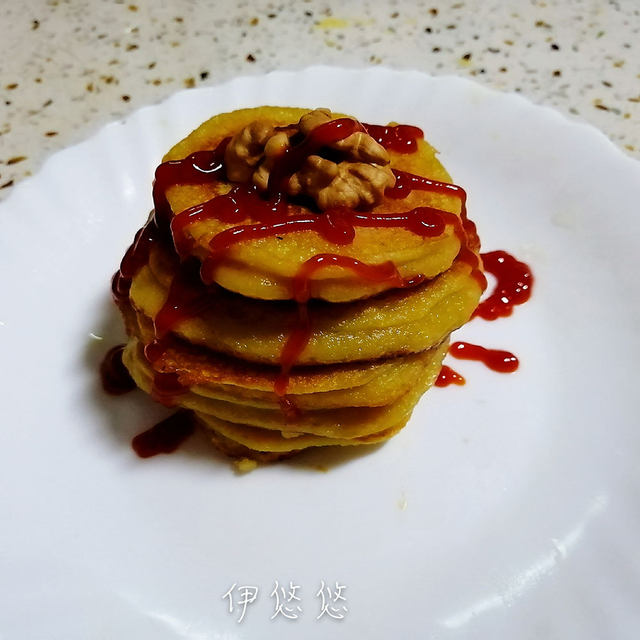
(346, 184)
(246, 149)
(313, 119)
(274, 148)
(357, 181)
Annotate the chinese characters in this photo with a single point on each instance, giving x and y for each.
(287, 601)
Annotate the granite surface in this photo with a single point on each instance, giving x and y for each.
(69, 66)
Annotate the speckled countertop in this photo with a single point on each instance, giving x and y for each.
(69, 66)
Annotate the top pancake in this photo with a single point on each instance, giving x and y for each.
(264, 268)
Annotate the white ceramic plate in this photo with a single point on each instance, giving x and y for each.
(509, 508)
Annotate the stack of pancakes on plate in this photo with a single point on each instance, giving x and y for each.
(281, 316)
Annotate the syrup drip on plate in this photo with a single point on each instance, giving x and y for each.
(495, 359)
(514, 283)
(166, 436)
(448, 376)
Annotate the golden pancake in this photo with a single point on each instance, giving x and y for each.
(357, 384)
(264, 268)
(396, 322)
(263, 440)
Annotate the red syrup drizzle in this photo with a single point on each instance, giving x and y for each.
(134, 259)
(495, 359)
(448, 376)
(235, 206)
(385, 272)
(198, 168)
(301, 333)
(294, 345)
(166, 436)
(337, 226)
(289, 408)
(201, 167)
(401, 138)
(465, 229)
(186, 298)
(513, 287)
(114, 375)
(182, 301)
(166, 386)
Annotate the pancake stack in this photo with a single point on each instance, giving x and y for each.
(298, 280)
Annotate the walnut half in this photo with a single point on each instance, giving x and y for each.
(358, 180)
(347, 184)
